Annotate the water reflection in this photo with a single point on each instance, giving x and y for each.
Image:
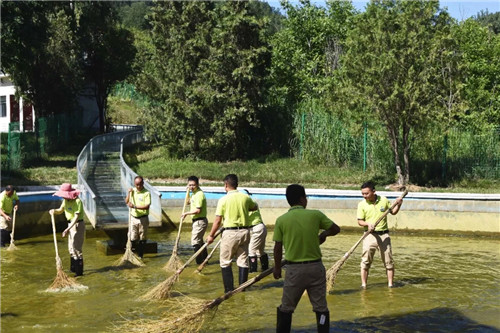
(442, 284)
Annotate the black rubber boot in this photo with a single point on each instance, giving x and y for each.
(264, 261)
(140, 248)
(72, 265)
(79, 267)
(284, 322)
(199, 259)
(227, 279)
(5, 237)
(243, 275)
(203, 255)
(323, 321)
(252, 263)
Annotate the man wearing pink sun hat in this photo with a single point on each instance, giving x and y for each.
(73, 210)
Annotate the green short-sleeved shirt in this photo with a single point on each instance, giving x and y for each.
(255, 217)
(298, 230)
(234, 208)
(370, 212)
(142, 198)
(72, 207)
(7, 203)
(198, 200)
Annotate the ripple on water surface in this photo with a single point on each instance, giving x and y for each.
(442, 284)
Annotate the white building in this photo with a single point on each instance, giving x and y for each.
(12, 110)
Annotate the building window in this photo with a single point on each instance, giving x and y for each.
(3, 106)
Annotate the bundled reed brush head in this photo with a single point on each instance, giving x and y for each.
(129, 260)
(173, 264)
(187, 315)
(63, 283)
(161, 291)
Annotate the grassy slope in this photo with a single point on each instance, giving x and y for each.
(152, 163)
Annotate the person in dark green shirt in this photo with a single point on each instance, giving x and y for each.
(298, 232)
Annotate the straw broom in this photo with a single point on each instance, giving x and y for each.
(174, 263)
(129, 258)
(204, 263)
(12, 246)
(62, 282)
(162, 291)
(331, 273)
(190, 313)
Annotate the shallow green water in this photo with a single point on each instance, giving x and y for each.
(443, 284)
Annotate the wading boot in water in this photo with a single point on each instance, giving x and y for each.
(227, 278)
(252, 263)
(203, 255)
(284, 321)
(196, 247)
(264, 262)
(140, 248)
(72, 265)
(323, 321)
(79, 267)
(243, 274)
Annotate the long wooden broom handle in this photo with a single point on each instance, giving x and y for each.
(204, 263)
(197, 253)
(180, 223)
(243, 286)
(13, 226)
(54, 233)
(377, 222)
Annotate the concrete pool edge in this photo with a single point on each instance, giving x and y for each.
(423, 213)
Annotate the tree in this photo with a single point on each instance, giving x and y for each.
(490, 20)
(307, 49)
(107, 50)
(40, 54)
(480, 51)
(392, 67)
(205, 74)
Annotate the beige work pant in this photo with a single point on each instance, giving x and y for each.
(4, 224)
(198, 231)
(371, 243)
(301, 277)
(234, 243)
(139, 228)
(76, 236)
(258, 234)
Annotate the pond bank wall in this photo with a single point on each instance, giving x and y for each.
(422, 213)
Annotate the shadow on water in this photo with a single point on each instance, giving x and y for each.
(435, 320)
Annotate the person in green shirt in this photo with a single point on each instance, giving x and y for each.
(73, 211)
(257, 246)
(232, 212)
(198, 210)
(9, 201)
(298, 231)
(370, 209)
(139, 200)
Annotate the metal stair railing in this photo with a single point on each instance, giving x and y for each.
(92, 152)
(128, 176)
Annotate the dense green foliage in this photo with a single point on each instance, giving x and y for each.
(205, 74)
(56, 51)
(237, 80)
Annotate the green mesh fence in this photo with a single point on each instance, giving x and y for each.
(127, 91)
(51, 133)
(14, 147)
(435, 157)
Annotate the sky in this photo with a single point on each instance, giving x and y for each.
(459, 9)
